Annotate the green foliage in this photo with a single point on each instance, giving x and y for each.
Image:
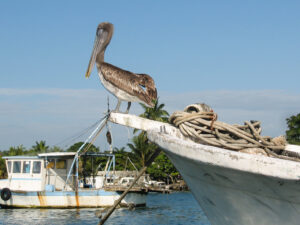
(3, 172)
(55, 149)
(40, 147)
(87, 165)
(141, 152)
(75, 147)
(293, 133)
(19, 150)
(122, 159)
(155, 113)
(141, 149)
(12, 151)
(162, 169)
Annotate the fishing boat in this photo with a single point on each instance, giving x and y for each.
(50, 180)
(232, 187)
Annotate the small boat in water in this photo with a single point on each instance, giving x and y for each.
(233, 188)
(49, 180)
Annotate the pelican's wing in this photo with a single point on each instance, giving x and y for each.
(147, 82)
(129, 82)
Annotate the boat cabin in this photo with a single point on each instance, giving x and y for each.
(47, 171)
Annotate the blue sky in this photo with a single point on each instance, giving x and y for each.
(241, 57)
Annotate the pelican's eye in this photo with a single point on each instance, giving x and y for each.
(99, 31)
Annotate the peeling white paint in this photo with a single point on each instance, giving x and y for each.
(233, 188)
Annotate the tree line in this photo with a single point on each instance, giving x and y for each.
(140, 148)
(140, 152)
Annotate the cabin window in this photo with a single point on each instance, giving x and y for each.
(109, 180)
(51, 164)
(17, 167)
(26, 167)
(61, 164)
(36, 167)
(9, 166)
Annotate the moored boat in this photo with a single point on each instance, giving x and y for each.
(49, 181)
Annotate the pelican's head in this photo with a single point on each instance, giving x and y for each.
(103, 36)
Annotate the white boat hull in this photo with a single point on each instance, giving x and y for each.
(232, 188)
(236, 188)
(69, 199)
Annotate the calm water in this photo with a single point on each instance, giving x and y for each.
(176, 208)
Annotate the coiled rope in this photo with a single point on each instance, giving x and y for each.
(199, 123)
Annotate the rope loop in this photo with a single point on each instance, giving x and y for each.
(199, 123)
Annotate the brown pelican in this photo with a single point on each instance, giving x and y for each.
(125, 85)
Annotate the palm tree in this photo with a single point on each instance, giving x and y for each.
(55, 149)
(141, 149)
(119, 150)
(40, 147)
(19, 150)
(121, 156)
(155, 113)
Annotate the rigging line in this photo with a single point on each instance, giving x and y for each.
(97, 130)
(132, 163)
(78, 134)
(129, 137)
(92, 142)
(75, 137)
(100, 128)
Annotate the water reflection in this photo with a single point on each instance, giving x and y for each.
(177, 208)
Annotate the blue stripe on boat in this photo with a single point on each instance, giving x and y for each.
(67, 193)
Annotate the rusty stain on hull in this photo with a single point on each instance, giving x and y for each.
(69, 199)
(42, 199)
(77, 199)
(65, 207)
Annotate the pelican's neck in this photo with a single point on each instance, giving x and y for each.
(100, 58)
(104, 41)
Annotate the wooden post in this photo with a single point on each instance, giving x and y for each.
(142, 171)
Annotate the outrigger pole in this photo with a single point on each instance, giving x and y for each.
(141, 172)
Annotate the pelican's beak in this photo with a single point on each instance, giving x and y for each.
(93, 58)
(101, 36)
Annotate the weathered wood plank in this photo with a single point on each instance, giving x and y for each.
(140, 123)
(144, 124)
